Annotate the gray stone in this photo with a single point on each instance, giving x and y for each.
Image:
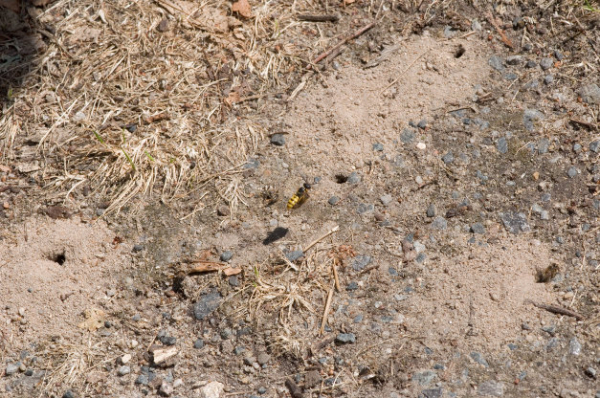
(543, 146)
(294, 255)
(558, 55)
(422, 124)
(475, 25)
(424, 378)
(166, 389)
(591, 372)
(364, 208)
(12, 368)
(544, 215)
(511, 76)
(439, 223)
(239, 350)
(502, 145)
(352, 286)
(68, 394)
(278, 139)
(548, 80)
(333, 200)
(386, 199)
(138, 248)
(595, 146)
(431, 211)
(572, 172)
(407, 136)
(226, 255)
(360, 262)
(515, 222)
(537, 209)
(263, 358)
(496, 62)
(433, 393)
(577, 147)
(590, 93)
(530, 64)
(478, 228)
(378, 147)
(252, 164)
(345, 338)
(353, 178)
(491, 388)
(234, 280)
(198, 344)
(477, 357)
(574, 346)
(448, 158)
(207, 304)
(123, 370)
(530, 116)
(546, 63)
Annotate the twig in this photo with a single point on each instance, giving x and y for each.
(341, 43)
(503, 37)
(299, 87)
(332, 230)
(335, 276)
(295, 391)
(557, 310)
(590, 126)
(371, 268)
(327, 307)
(405, 70)
(318, 18)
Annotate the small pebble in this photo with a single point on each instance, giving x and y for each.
(548, 80)
(353, 178)
(352, 286)
(234, 280)
(546, 63)
(345, 338)
(407, 136)
(278, 139)
(124, 370)
(263, 358)
(364, 208)
(68, 394)
(198, 344)
(591, 372)
(530, 64)
(502, 145)
(572, 172)
(386, 199)
(422, 124)
(125, 359)
(421, 146)
(166, 389)
(496, 62)
(11, 369)
(477, 228)
(333, 200)
(137, 248)
(226, 256)
(595, 146)
(448, 158)
(574, 346)
(431, 211)
(294, 255)
(378, 147)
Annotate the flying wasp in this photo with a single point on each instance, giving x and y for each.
(299, 197)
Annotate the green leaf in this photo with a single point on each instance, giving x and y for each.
(99, 138)
(128, 159)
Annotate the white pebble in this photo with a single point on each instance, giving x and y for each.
(125, 358)
(421, 146)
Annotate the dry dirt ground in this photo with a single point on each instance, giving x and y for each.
(448, 247)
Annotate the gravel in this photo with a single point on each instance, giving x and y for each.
(448, 158)
(364, 208)
(198, 344)
(595, 146)
(491, 388)
(502, 145)
(378, 147)
(226, 256)
(431, 211)
(546, 63)
(407, 136)
(353, 178)
(574, 346)
(345, 338)
(278, 139)
(124, 370)
(439, 223)
(477, 228)
(386, 199)
(572, 172)
(515, 222)
(543, 146)
(333, 200)
(207, 303)
(433, 393)
(496, 62)
(590, 93)
(11, 369)
(477, 357)
(548, 80)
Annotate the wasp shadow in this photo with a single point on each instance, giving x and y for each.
(20, 47)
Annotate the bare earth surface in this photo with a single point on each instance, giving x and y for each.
(454, 193)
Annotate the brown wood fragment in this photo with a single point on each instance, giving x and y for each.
(503, 36)
(206, 266)
(318, 18)
(557, 310)
(341, 43)
(161, 354)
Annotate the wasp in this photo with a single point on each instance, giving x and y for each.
(299, 197)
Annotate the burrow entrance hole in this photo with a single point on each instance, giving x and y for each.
(58, 257)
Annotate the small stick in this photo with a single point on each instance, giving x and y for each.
(335, 276)
(503, 37)
(341, 43)
(591, 126)
(332, 230)
(371, 268)
(318, 18)
(557, 310)
(327, 307)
